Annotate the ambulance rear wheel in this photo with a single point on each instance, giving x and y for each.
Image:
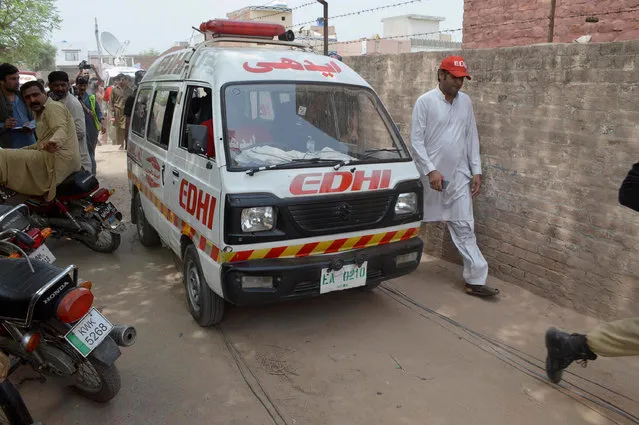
(146, 233)
(206, 307)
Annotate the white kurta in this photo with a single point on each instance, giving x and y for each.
(77, 112)
(444, 137)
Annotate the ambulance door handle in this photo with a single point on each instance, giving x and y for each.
(176, 173)
(162, 174)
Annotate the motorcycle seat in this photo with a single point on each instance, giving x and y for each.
(78, 185)
(18, 285)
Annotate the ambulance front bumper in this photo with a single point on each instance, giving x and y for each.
(247, 282)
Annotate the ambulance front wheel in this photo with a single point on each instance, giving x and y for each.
(146, 233)
(206, 307)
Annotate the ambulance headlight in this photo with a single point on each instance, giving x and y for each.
(257, 219)
(406, 204)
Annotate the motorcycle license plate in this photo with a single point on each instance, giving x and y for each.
(89, 332)
(43, 253)
(107, 211)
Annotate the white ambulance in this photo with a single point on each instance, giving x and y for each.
(272, 172)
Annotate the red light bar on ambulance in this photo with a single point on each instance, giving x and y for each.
(241, 28)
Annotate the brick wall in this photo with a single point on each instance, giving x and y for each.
(503, 23)
(559, 128)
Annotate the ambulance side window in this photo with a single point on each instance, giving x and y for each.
(198, 114)
(161, 117)
(138, 120)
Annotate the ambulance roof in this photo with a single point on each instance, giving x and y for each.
(219, 65)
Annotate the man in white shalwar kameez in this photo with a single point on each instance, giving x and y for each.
(445, 144)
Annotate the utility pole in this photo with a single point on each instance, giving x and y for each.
(325, 4)
(551, 24)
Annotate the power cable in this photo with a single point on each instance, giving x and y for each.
(493, 348)
(357, 12)
(243, 368)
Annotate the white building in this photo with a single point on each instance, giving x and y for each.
(406, 26)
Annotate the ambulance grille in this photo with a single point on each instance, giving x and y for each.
(344, 213)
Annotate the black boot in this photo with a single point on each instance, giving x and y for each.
(563, 349)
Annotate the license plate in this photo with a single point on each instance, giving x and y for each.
(107, 211)
(43, 253)
(349, 276)
(89, 332)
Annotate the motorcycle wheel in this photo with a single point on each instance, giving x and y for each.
(106, 242)
(94, 380)
(13, 411)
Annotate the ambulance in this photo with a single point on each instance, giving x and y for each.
(273, 173)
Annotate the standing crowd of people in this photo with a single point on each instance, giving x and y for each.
(50, 130)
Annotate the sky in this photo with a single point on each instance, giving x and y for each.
(158, 24)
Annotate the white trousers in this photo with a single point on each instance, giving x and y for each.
(475, 266)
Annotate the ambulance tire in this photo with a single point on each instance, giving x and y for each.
(146, 233)
(209, 310)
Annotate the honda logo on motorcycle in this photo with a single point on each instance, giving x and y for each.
(340, 181)
(55, 293)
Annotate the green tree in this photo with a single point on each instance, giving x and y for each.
(149, 52)
(24, 25)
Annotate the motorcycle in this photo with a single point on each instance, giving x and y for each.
(48, 322)
(81, 210)
(13, 411)
(16, 221)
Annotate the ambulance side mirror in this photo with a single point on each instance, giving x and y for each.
(197, 138)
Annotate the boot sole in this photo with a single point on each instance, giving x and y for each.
(551, 337)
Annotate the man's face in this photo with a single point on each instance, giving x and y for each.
(12, 82)
(82, 88)
(59, 88)
(34, 99)
(450, 84)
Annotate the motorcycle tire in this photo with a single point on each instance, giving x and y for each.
(14, 411)
(108, 375)
(110, 380)
(107, 248)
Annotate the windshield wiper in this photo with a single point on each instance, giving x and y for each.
(338, 164)
(370, 152)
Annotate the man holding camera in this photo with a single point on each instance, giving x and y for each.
(84, 72)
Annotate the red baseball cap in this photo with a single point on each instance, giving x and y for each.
(456, 66)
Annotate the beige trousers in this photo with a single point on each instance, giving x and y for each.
(615, 339)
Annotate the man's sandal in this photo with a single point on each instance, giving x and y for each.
(481, 290)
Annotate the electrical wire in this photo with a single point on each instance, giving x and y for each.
(260, 18)
(373, 9)
(494, 346)
(481, 26)
(243, 368)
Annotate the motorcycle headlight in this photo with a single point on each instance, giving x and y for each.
(257, 219)
(406, 204)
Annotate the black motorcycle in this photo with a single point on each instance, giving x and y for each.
(81, 210)
(48, 322)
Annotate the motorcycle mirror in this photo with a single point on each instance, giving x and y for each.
(25, 239)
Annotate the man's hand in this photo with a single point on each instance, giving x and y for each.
(102, 127)
(10, 123)
(476, 185)
(436, 180)
(51, 146)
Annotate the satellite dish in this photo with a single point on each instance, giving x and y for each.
(111, 44)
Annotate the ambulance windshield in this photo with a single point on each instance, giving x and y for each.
(278, 124)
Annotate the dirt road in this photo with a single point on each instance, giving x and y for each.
(415, 351)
